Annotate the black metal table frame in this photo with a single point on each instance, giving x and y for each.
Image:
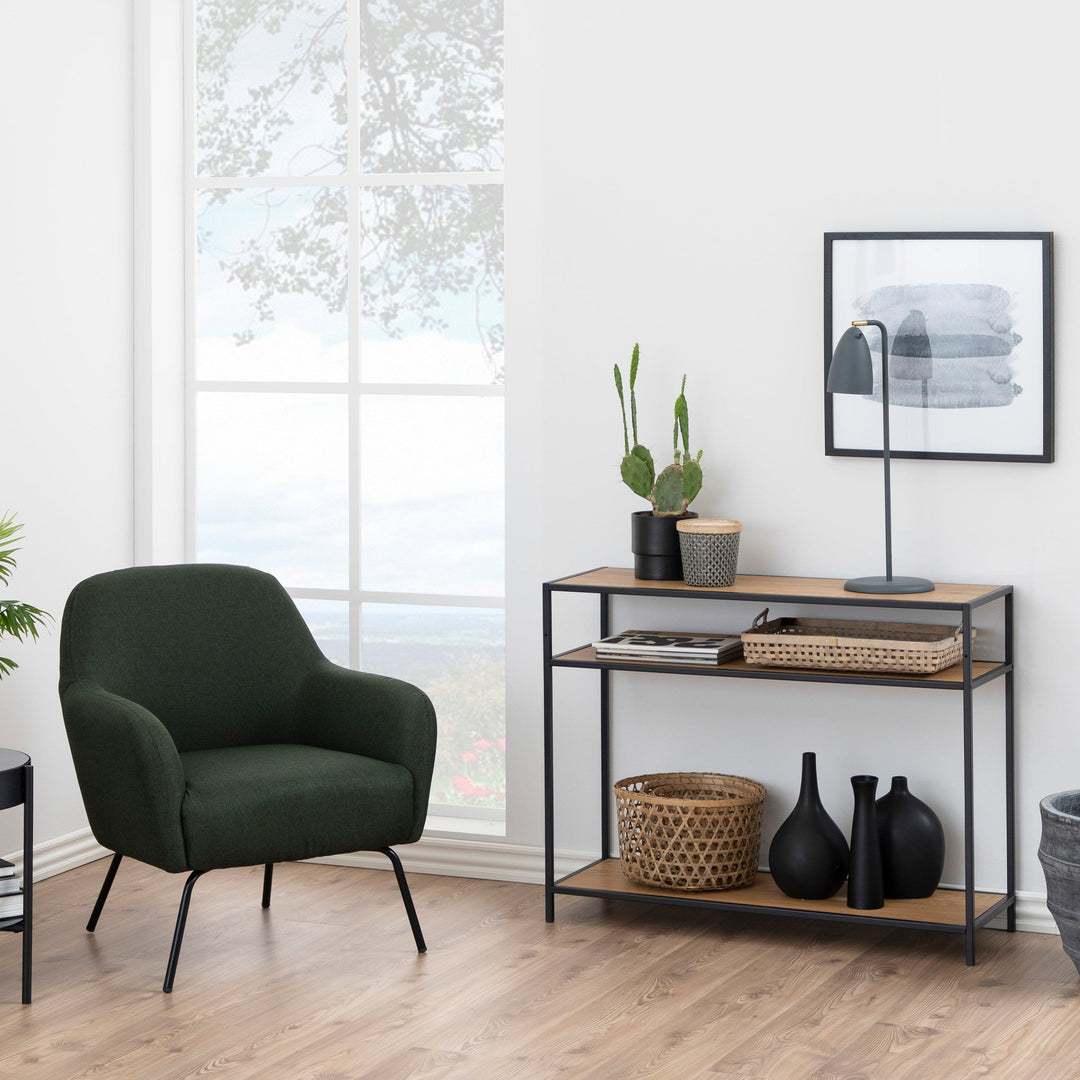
(17, 787)
(969, 683)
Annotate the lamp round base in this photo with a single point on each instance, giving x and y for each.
(889, 585)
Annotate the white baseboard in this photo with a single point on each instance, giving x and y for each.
(1032, 915)
(450, 856)
(453, 857)
(62, 853)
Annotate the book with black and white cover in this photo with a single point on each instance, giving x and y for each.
(649, 658)
(11, 907)
(7, 869)
(677, 646)
(10, 885)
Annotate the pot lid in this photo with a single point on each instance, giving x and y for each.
(708, 525)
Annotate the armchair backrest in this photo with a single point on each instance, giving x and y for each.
(217, 652)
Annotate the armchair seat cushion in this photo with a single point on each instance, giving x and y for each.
(245, 805)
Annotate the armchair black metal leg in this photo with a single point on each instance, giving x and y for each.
(268, 881)
(406, 896)
(178, 933)
(106, 885)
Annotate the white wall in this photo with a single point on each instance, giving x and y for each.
(65, 342)
(670, 173)
(689, 160)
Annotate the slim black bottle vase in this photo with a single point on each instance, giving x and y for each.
(866, 888)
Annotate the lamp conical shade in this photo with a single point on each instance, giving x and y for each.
(851, 371)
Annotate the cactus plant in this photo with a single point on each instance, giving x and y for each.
(672, 491)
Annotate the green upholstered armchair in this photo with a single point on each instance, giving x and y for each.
(208, 730)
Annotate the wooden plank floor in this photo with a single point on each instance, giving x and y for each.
(326, 985)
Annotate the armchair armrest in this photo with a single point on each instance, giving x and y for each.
(374, 715)
(129, 773)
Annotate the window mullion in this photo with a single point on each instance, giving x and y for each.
(318, 180)
(352, 85)
(190, 329)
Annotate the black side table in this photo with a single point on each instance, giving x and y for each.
(17, 788)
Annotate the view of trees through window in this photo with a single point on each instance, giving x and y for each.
(348, 370)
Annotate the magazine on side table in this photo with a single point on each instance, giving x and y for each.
(675, 647)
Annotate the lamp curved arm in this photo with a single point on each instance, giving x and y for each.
(884, 354)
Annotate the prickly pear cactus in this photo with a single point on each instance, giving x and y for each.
(669, 492)
(692, 478)
(675, 488)
(637, 471)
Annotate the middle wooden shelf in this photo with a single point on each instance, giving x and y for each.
(950, 678)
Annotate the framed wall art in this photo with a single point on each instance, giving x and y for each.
(969, 318)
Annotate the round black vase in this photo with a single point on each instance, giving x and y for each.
(808, 856)
(866, 888)
(912, 843)
(654, 540)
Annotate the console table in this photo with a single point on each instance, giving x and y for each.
(17, 788)
(948, 910)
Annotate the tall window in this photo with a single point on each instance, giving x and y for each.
(346, 388)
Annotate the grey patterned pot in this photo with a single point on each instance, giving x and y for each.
(1059, 853)
(710, 550)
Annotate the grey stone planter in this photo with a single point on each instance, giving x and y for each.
(1059, 853)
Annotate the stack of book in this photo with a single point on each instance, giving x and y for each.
(669, 647)
(11, 897)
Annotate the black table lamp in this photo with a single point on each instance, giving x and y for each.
(851, 372)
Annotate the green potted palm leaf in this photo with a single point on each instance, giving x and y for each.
(17, 619)
(653, 537)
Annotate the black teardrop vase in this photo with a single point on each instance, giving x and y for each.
(808, 856)
(865, 885)
(912, 843)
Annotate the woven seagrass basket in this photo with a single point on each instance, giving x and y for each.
(852, 645)
(689, 831)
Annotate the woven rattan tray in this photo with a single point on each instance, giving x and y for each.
(852, 645)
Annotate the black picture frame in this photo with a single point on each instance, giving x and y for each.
(988, 294)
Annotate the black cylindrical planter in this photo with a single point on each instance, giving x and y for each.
(808, 856)
(912, 844)
(865, 886)
(655, 544)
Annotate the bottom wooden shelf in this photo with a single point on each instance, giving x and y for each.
(944, 910)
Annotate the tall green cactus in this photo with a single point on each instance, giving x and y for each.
(678, 484)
